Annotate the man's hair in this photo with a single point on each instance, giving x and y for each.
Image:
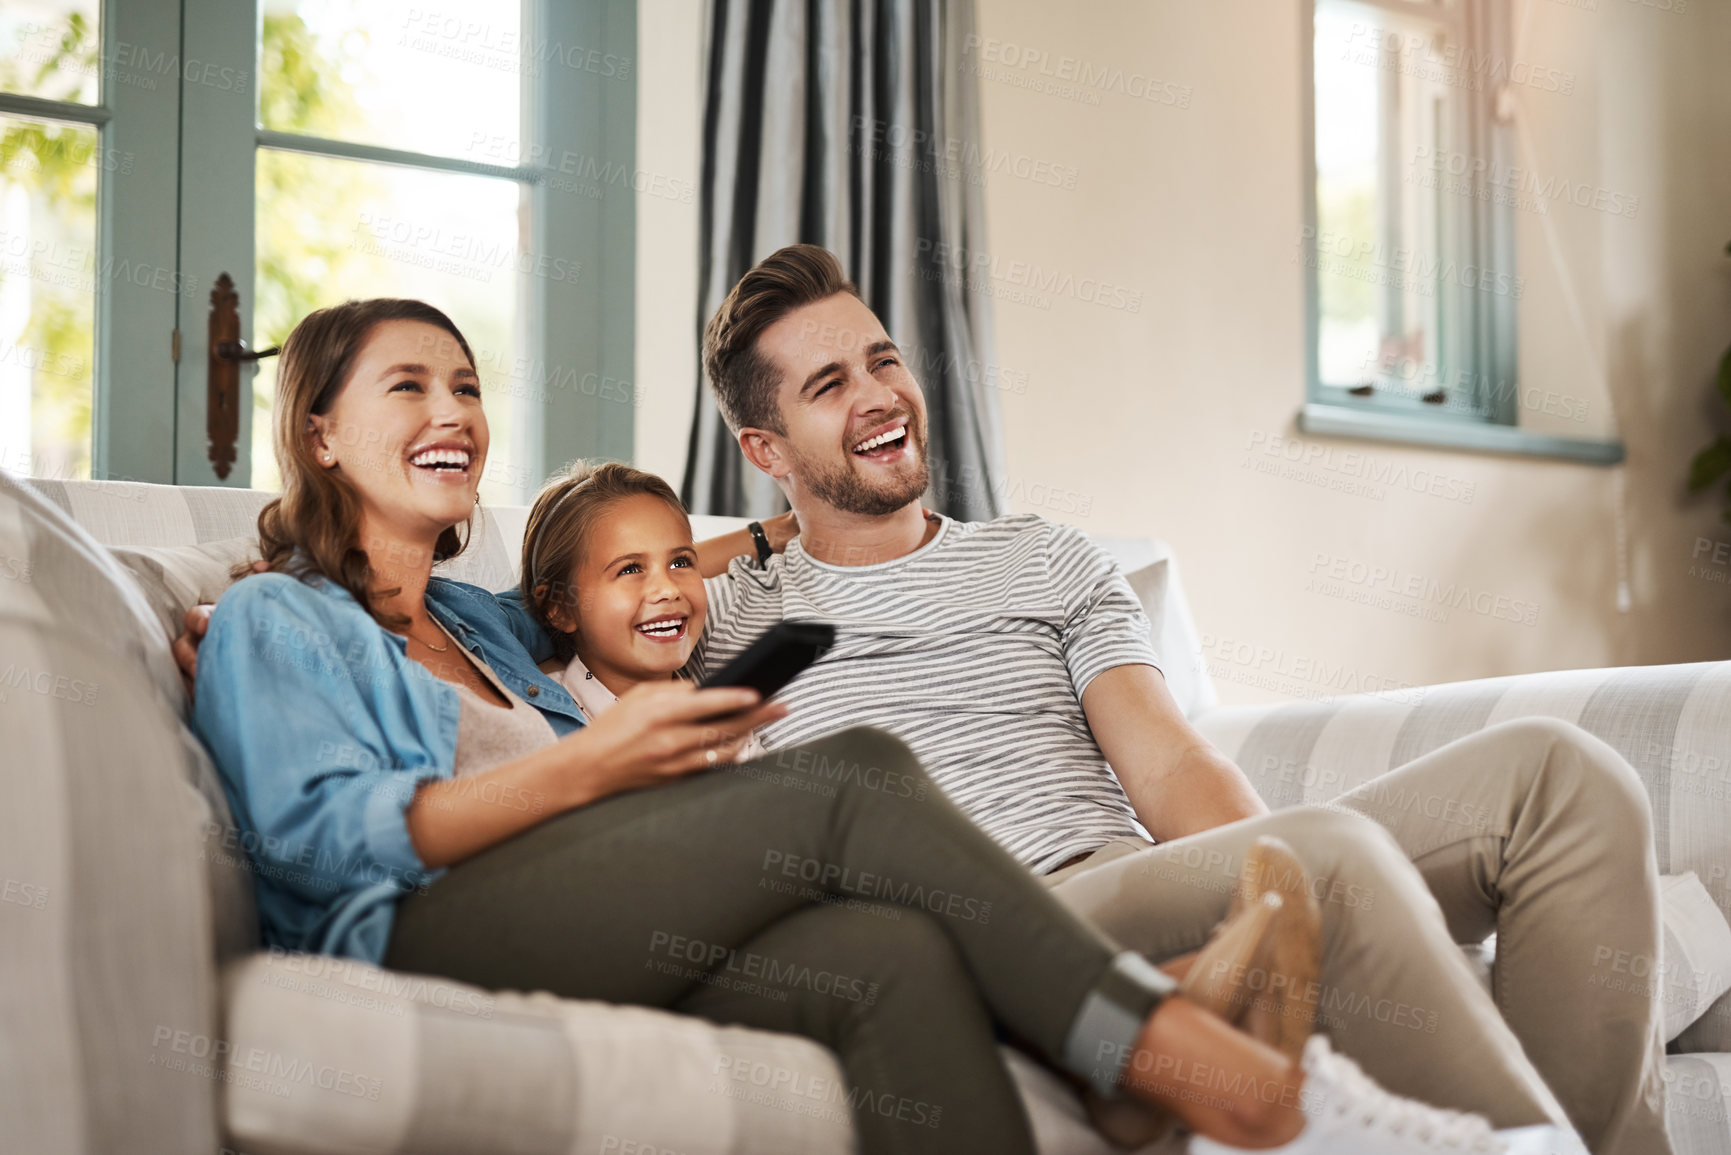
(743, 379)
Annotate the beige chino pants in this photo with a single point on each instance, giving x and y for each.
(1532, 829)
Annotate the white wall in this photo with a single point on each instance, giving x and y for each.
(1151, 422)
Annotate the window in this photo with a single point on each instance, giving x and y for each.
(476, 154)
(51, 161)
(331, 225)
(1408, 243)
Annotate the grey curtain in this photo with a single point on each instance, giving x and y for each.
(854, 124)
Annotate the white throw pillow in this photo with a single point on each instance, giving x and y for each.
(175, 578)
(1695, 953)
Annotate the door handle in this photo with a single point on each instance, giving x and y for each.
(222, 374)
(237, 351)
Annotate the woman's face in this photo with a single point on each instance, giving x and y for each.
(407, 431)
(640, 599)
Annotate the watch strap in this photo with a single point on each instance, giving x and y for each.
(764, 550)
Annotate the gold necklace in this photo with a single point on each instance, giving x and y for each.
(436, 649)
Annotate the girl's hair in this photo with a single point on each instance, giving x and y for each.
(560, 522)
(313, 529)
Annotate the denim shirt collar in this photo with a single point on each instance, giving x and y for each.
(475, 619)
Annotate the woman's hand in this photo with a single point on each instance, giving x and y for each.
(656, 733)
(652, 735)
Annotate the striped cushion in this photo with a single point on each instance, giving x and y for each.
(1673, 724)
(1695, 956)
(338, 1057)
(150, 517)
(425, 1064)
(104, 913)
(1697, 1089)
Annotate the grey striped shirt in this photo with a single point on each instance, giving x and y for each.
(974, 650)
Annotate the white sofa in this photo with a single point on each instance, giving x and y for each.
(149, 1021)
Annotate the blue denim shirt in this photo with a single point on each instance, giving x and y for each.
(322, 728)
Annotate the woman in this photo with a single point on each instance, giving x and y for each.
(409, 807)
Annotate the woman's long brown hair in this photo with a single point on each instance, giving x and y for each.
(313, 529)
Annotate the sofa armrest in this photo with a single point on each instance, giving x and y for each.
(1672, 723)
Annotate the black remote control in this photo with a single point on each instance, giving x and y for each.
(776, 658)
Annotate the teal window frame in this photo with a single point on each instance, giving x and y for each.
(1485, 348)
(150, 386)
(133, 382)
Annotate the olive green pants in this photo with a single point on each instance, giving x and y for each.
(827, 890)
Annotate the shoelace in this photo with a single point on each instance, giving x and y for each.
(1354, 1092)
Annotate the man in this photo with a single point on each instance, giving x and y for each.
(1013, 658)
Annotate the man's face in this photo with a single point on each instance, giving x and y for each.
(854, 417)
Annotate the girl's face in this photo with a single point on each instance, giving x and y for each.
(407, 431)
(640, 598)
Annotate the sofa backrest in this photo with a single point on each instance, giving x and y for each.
(134, 515)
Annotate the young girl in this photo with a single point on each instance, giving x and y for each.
(611, 572)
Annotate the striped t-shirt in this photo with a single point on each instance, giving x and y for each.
(974, 650)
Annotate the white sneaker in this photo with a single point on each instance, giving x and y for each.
(1541, 1141)
(1348, 1114)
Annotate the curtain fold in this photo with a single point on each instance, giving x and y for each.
(854, 124)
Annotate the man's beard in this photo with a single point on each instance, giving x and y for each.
(844, 488)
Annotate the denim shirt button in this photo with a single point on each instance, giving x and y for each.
(534, 691)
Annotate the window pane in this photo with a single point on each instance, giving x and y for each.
(443, 79)
(1384, 91)
(333, 229)
(47, 296)
(51, 49)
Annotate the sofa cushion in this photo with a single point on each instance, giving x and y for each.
(1696, 952)
(108, 983)
(1697, 1090)
(150, 517)
(174, 578)
(350, 1058)
(327, 1056)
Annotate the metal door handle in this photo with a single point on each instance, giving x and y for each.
(222, 374)
(237, 351)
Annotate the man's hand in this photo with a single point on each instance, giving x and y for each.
(714, 554)
(186, 645)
